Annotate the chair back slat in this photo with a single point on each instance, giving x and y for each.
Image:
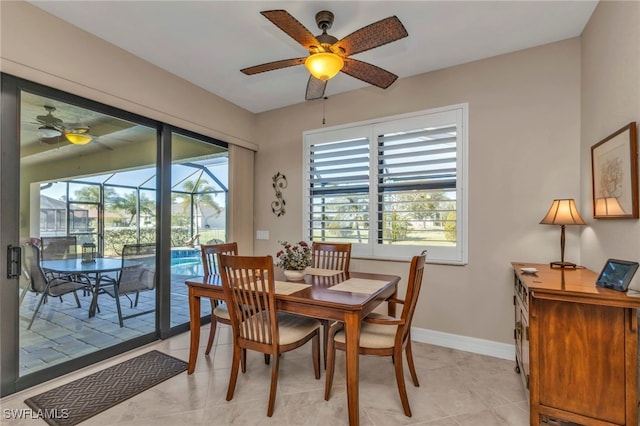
(335, 256)
(414, 284)
(249, 290)
(56, 248)
(210, 252)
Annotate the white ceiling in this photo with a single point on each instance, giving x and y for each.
(208, 42)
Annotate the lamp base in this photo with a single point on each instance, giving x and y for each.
(564, 265)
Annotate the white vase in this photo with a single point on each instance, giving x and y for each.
(294, 275)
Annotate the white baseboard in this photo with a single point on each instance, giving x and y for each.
(464, 343)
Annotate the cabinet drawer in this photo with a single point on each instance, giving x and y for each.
(521, 335)
(522, 293)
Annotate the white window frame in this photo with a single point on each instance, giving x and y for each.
(370, 129)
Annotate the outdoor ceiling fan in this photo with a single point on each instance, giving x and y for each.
(328, 55)
(52, 127)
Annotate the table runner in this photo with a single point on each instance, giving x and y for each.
(322, 272)
(359, 285)
(287, 287)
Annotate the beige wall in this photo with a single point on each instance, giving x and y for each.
(610, 100)
(524, 114)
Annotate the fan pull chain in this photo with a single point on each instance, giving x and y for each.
(323, 111)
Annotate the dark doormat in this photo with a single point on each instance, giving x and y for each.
(81, 399)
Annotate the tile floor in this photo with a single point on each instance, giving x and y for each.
(62, 331)
(456, 388)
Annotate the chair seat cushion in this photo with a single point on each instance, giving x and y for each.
(292, 328)
(221, 311)
(373, 336)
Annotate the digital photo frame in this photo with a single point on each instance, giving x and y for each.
(617, 274)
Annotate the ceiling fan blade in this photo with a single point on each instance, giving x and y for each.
(373, 35)
(275, 65)
(49, 120)
(315, 88)
(290, 25)
(368, 73)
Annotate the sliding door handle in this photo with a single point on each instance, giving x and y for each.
(14, 261)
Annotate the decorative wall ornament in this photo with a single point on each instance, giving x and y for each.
(279, 182)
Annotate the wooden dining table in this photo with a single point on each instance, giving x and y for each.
(345, 296)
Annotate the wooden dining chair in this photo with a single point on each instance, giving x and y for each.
(248, 282)
(219, 311)
(382, 335)
(334, 256)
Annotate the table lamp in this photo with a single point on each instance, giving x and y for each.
(562, 212)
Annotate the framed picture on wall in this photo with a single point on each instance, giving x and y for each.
(614, 173)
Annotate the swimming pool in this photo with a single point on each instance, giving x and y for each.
(186, 262)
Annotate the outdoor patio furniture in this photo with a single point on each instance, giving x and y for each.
(138, 274)
(46, 284)
(54, 248)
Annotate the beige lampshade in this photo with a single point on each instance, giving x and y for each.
(324, 66)
(563, 212)
(608, 207)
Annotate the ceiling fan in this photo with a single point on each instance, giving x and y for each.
(328, 55)
(53, 127)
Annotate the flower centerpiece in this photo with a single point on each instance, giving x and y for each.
(294, 259)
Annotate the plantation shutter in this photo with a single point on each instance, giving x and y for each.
(391, 187)
(339, 190)
(415, 168)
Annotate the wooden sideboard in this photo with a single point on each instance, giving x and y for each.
(576, 347)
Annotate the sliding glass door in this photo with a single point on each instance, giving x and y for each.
(65, 196)
(199, 194)
(79, 182)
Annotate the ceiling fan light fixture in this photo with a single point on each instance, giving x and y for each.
(79, 128)
(49, 132)
(324, 66)
(78, 138)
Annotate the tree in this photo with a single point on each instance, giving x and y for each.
(350, 217)
(200, 191)
(92, 193)
(427, 206)
(396, 228)
(129, 204)
(450, 232)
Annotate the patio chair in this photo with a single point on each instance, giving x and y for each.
(138, 274)
(381, 335)
(46, 284)
(55, 248)
(249, 282)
